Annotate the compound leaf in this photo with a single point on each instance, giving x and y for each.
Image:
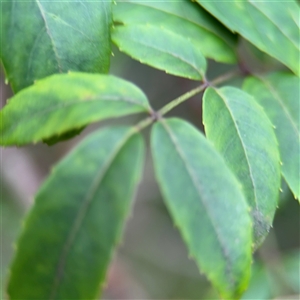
(273, 27)
(206, 203)
(183, 17)
(278, 94)
(40, 38)
(77, 219)
(64, 103)
(243, 134)
(162, 49)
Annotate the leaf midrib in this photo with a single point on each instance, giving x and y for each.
(165, 51)
(49, 34)
(234, 26)
(204, 201)
(244, 148)
(83, 212)
(65, 105)
(275, 24)
(277, 97)
(182, 18)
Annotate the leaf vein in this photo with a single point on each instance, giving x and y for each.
(82, 213)
(244, 149)
(65, 105)
(281, 103)
(169, 53)
(49, 34)
(199, 191)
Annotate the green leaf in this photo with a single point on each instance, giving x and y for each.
(63, 137)
(162, 49)
(64, 102)
(243, 134)
(206, 203)
(77, 219)
(183, 17)
(278, 94)
(273, 27)
(290, 269)
(260, 286)
(40, 38)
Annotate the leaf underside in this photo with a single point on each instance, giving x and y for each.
(272, 26)
(64, 103)
(278, 94)
(183, 17)
(60, 36)
(77, 219)
(206, 204)
(243, 134)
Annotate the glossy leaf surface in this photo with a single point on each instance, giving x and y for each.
(67, 102)
(40, 38)
(77, 219)
(162, 49)
(273, 27)
(243, 134)
(278, 94)
(183, 17)
(206, 204)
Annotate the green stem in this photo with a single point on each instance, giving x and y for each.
(144, 123)
(225, 77)
(182, 98)
(196, 91)
(165, 109)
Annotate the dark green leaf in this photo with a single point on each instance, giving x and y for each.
(39, 38)
(162, 49)
(77, 219)
(243, 134)
(183, 17)
(272, 26)
(278, 94)
(66, 102)
(206, 203)
(65, 136)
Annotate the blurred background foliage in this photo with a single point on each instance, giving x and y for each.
(152, 262)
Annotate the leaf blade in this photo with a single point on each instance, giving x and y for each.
(161, 49)
(276, 93)
(187, 167)
(77, 219)
(60, 36)
(271, 27)
(65, 102)
(212, 39)
(242, 133)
